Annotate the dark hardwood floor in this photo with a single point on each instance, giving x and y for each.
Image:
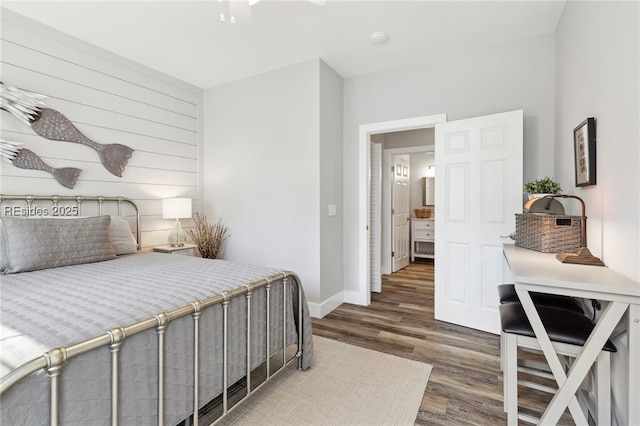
(465, 386)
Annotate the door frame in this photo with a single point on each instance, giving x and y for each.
(363, 296)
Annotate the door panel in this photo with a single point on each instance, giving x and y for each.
(493, 178)
(401, 205)
(457, 178)
(477, 195)
(457, 277)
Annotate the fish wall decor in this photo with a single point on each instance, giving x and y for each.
(51, 124)
(26, 159)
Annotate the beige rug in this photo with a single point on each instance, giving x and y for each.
(346, 385)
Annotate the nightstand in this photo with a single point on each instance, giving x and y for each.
(186, 250)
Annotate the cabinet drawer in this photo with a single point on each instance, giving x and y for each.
(423, 224)
(424, 234)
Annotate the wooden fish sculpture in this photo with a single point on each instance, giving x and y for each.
(51, 124)
(26, 159)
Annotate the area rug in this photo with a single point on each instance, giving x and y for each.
(346, 385)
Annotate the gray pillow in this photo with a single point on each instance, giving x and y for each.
(42, 243)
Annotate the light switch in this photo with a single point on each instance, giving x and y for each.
(332, 210)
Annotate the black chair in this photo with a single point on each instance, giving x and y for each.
(507, 294)
(568, 332)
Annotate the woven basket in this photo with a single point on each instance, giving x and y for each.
(422, 213)
(548, 233)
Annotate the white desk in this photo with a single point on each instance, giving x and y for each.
(542, 272)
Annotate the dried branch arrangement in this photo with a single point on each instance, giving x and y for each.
(207, 237)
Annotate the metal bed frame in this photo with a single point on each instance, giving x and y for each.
(53, 361)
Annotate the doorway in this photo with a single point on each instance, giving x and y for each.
(419, 158)
(364, 274)
(482, 160)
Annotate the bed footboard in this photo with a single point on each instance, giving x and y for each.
(53, 361)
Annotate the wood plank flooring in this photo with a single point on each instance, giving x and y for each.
(465, 387)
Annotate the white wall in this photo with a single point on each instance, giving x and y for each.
(270, 171)
(331, 254)
(110, 100)
(597, 76)
(517, 75)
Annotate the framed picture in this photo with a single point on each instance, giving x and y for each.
(584, 140)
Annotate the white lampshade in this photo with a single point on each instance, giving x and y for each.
(176, 208)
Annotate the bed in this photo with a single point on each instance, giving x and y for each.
(96, 332)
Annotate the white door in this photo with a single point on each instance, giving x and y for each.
(400, 212)
(478, 191)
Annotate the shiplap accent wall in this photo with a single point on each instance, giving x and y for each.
(110, 100)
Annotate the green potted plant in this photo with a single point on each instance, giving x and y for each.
(208, 237)
(538, 188)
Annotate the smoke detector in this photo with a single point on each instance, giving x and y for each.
(379, 38)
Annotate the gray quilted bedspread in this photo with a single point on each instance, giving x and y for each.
(62, 306)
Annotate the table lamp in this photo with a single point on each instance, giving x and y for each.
(176, 208)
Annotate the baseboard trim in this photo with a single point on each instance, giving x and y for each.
(319, 310)
(355, 298)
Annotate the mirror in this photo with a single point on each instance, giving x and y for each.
(428, 191)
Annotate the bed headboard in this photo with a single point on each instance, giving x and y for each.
(69, 205)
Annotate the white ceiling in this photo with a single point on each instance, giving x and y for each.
(185, 39)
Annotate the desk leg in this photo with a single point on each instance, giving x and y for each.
(551, 356)
(633, 343)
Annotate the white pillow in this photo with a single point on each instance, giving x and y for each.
(121, 236)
